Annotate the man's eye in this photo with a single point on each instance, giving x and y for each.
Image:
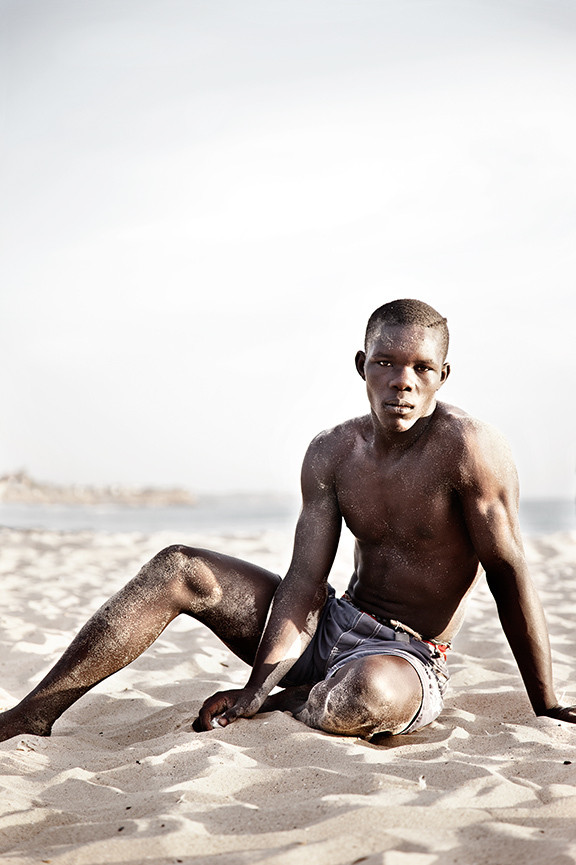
(384, 363)
(422, 368)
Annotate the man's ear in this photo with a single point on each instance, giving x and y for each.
(444, 374)
(360, 361)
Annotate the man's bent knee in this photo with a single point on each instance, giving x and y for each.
(377, 694)
(186, 574)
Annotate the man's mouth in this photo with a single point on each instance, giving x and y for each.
(398, 406)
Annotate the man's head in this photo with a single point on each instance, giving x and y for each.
(405, 312)
(404, 363)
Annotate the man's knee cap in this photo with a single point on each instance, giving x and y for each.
(379, 679)
(189, 568)
(176, 558)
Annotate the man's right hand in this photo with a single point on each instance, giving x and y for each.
(225, 707)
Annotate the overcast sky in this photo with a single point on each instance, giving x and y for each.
(202, 202)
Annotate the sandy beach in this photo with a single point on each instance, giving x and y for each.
(123, 779)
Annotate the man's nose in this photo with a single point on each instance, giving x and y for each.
(402, 379)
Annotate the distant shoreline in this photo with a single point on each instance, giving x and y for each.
(20, 488)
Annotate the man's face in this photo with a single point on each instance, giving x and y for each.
(403, 367)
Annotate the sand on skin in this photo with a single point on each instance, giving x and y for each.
(124, 780)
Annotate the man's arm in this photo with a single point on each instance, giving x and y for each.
(299, 598)
(490, 500)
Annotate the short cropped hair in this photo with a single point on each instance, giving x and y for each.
(408, 312)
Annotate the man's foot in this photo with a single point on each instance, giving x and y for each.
(13, 722)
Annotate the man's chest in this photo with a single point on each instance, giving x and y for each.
(411, 499)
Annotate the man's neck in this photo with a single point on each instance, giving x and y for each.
(388, 441)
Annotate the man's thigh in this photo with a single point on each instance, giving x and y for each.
(229, 595)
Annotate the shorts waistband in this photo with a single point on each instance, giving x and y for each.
(400, 627)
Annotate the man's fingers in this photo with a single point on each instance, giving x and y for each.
(197, 725)
(222, 709)
(210, 719)
(240, 710)
(211, 707)
(230, 716)
(202, 722)
(214, 711)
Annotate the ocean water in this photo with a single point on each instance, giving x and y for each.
(236, 514)
(213, 514)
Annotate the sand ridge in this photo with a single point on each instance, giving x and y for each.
(123, 779)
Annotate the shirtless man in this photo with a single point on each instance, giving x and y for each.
(429, 494)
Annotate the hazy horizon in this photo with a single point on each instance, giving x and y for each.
(202, 203)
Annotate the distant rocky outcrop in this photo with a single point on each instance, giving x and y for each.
(20, 488)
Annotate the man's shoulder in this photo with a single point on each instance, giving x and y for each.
(455, 422)
(474, 444)
(331, 446)
(343, 435)
(327, 451)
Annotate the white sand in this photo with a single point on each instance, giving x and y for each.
(123, 780)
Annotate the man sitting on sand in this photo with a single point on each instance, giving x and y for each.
(429, 493)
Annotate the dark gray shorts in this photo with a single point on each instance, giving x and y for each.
(345, 634)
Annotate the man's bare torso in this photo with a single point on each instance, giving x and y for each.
(414, 559)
